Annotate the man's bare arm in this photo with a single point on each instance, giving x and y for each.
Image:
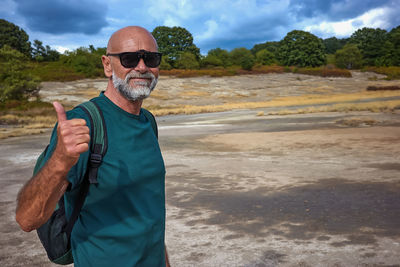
(167, 264)
(39, 196)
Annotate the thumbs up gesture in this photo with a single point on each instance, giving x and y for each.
(73, 138)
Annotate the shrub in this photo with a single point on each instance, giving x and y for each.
(247, 63)
(54, 71)
(85, 60)
(324, 72)
(211, 61)
(238, 55)
(222, 55)
(270, 69)
(164, 64)
(348, 57)
(265, 57)
(380, 88)
(187, 60)
(15, 82)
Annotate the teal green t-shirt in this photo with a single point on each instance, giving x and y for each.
(122, 221)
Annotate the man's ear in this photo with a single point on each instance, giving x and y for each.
(107, 66)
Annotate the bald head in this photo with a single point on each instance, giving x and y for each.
(131, 39)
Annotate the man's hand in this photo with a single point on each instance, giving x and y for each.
(73, 138)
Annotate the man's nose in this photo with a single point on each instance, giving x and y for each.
(141, 66)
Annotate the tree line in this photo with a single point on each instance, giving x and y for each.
(365, 47)
(18, 56)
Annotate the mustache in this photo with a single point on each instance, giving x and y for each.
(134, 74)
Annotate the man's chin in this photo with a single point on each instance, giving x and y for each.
(135, 96)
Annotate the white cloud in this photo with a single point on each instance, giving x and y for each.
(171, 13)
(62, 49)
(212, 28)
(375, 18)
(171, 22)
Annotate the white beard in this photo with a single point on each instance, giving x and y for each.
(140, 90)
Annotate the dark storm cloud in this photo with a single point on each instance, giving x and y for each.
(224, 23)
(63, 16)
(394, 15)
(235, 40)
(335, 9)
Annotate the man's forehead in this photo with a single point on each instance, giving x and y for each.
(131, 38)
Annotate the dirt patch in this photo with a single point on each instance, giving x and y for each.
(322, 194)
(380, 88)
(363, 140)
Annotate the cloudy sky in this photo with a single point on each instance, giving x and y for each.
(68, 24)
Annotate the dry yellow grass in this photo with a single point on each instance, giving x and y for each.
(158, 95)
(14, 132)
(277, 102)
(27, 120)
(36, 120)
(325, 99)
(194, 93)
(21, 123)
(377, 106)
(355, 121)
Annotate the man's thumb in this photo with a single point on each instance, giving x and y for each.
(61, 116)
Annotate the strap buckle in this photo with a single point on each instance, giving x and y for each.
(95, 160)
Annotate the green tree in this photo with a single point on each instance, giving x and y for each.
(222, 55)
(211, 61)
(300, 48)
(242, 57)
(348, 57)
(187, 60)
(38, 51)
(394, 39)
(371, 43)
(85, 60)
(164, 64)
(270, 46)
(265, 57)
(41, 53)
(172, 42)
(51, 54)
(15, 37)
(15, 82)
(333, 44)
(247, 63)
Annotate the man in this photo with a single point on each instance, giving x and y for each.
(122, 222)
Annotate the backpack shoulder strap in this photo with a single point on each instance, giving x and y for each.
(152, 120)
(98, 149)
(98, 141)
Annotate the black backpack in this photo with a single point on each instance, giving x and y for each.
(56, 232)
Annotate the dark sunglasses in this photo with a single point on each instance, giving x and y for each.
(131, 59)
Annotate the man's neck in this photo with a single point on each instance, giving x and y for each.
(132, 107)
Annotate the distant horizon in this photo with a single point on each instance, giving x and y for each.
(223, 24)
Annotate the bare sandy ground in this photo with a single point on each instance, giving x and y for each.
(244, 190)
(209, 90)
(301, 190)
